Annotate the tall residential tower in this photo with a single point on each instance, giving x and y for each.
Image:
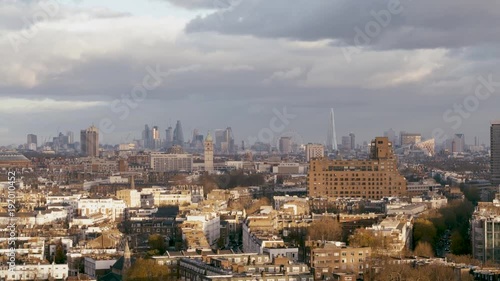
(495, 152)
(89, 140)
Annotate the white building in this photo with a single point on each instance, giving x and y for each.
(35, 272)
(109, 207)
(118, 179)
(314, 151)
(399, 228)
(210, 225)
(131, 197)
(71, 200)
(92, 266)
(51, 216)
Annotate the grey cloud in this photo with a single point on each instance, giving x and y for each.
(199, 4)
(227, 88)
(421, 24)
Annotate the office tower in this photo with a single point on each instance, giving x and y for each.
(373, 178)
(193, 138)
(391, 135)
(60, 142)
(229, 140)
(331, 140)
(495, 152)
(71, 137)
(314, 151)
(178, 138)
(458, 143)
(220, 137)
(224, 141)
(169, 137)
(209, 154)
(346, 143)
(285, 145)
(146, 137)
(32, 142)
(409, 139)
(155, 138)
(89, 140)
(353, 141)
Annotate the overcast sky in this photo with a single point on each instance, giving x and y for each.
(380, 64)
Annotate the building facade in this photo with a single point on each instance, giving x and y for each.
(89, 140)
(409, 139)
(326, 257)
(209, 154)
(161, 162)
(373, 178)
(314, 151)
(485, 231)
(495, 153)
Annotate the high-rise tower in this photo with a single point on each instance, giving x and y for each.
(89, 140)
(178, 134)
(209, 153)
(495, 152)
(169, 137)
(146, 136)
(331, 141)
(32, 142)
(155, 138)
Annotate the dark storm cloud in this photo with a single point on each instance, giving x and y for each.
(417, 24)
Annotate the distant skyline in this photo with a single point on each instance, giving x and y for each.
(223, 66)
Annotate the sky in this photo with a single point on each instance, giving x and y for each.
(266, 68)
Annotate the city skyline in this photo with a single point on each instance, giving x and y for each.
(238, 140)
(163, 133)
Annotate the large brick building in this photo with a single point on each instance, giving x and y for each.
(374, 178)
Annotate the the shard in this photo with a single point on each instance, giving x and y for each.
(331, 141)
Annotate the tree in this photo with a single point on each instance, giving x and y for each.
(424, 231)
(458, 245)
(326, 228)
(424, 249)
(364, 238)
(60, 256)
(157, 242)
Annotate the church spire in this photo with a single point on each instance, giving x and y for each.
(126, 256)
